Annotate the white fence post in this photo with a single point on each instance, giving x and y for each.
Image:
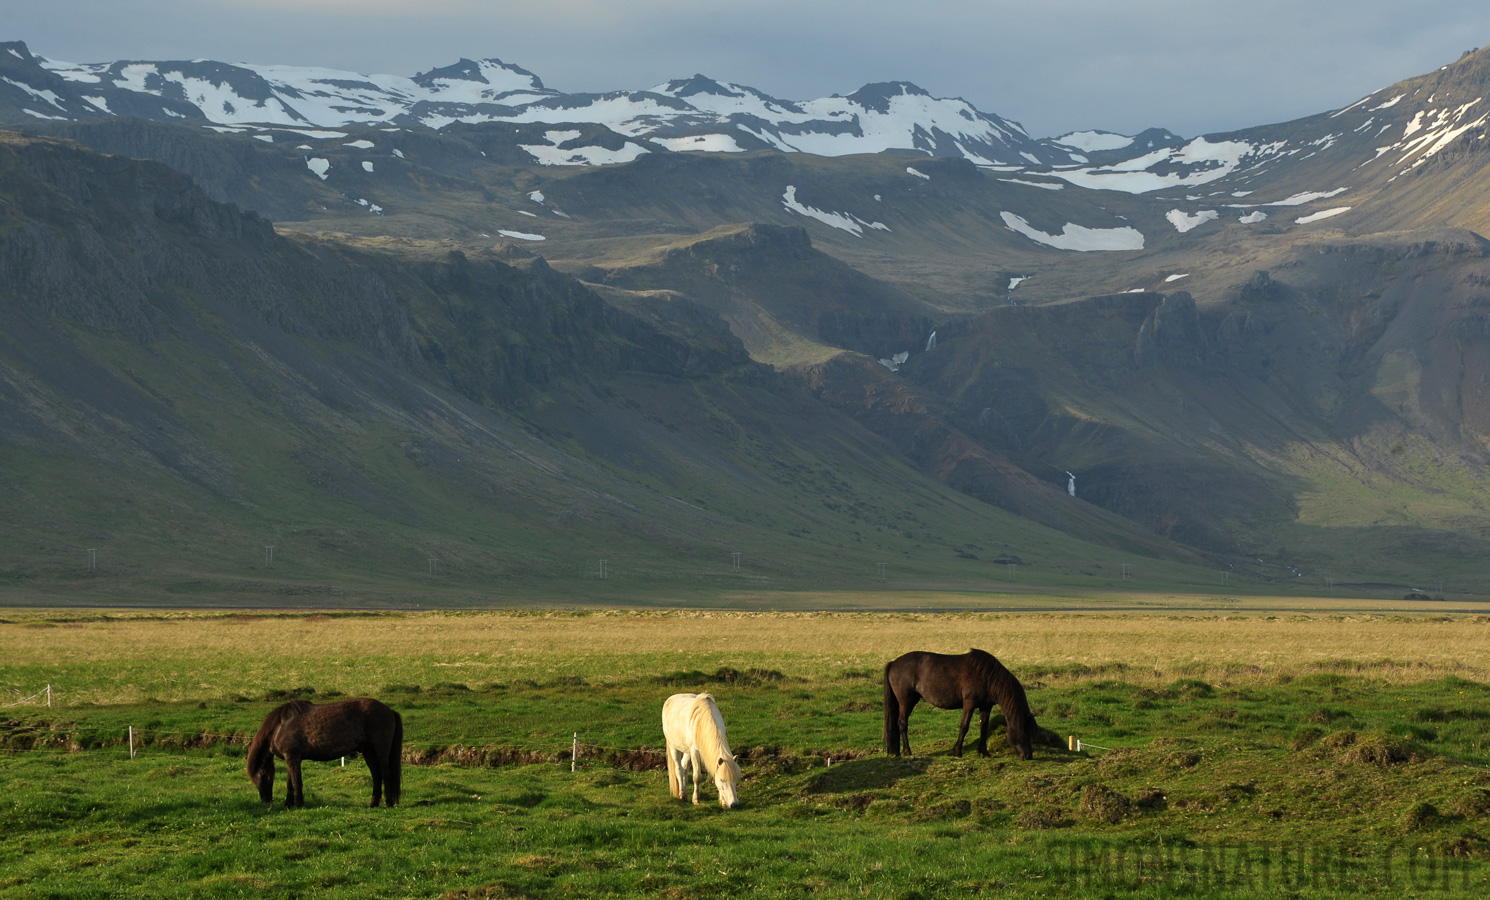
(574, 753)
(131, 742)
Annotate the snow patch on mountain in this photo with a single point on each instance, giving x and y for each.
(708, 143)
(842, 221)
(1077, 237)
(1048, 185)
(894, 363)
(319, 165)
(1439, 127)
(551, 154)
(1196, 162)
(1298, 199)
(1094, 141)
(1183, 221)
(521, 235)
(39, 93)
(1323, 214)
(1252, 218)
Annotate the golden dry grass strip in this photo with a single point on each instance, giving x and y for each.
(129, 657)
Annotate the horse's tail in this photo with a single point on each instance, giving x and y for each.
(393, 777)
(892, 716)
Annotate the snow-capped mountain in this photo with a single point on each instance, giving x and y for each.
(697, 113)
(1380, 137)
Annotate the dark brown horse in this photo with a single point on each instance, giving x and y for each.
(302, 730)
(974, 680)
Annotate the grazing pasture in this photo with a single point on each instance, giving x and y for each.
(1245, 755)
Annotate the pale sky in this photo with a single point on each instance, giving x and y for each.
(1192, 66)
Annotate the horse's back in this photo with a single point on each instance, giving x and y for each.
(328, 730)
(690, 720)
(676, 711)
(943, 679)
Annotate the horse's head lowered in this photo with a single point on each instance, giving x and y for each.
(726, 776)
(1021, 736)
(261, 773)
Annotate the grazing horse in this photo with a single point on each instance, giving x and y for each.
(695, 740)
(302, 730)
(974, 680)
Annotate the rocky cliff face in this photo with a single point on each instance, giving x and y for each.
(130, 248)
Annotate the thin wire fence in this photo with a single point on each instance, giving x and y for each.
(45, 692)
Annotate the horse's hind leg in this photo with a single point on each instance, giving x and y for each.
(377, 765)
(907, 703)
(674, 774)
(983, 731)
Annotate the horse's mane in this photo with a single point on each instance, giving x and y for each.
(259, 754)
(708, 732)
(1007, 691)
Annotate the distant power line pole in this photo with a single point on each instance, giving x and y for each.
(268, 556)
(432, 564)
(602, 570)
(92, 559)
(735, 561)
(881, 571)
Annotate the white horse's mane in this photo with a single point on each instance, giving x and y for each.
(708, 734)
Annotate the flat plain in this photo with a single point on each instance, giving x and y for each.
(1239, 752)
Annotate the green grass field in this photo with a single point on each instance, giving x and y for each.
(1245, 755)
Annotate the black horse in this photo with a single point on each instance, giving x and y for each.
(974, 680)
(302, 730)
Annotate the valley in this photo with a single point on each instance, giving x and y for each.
(487, 347)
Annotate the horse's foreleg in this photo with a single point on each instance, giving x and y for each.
(696, 763)
(983, 731)
(294, 793)
(967, 718)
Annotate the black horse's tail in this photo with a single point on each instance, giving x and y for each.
(394, 771)
(892, 717)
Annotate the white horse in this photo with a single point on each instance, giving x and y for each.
(695, 740)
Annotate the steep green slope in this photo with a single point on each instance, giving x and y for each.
(1283, 393)
(181, 389)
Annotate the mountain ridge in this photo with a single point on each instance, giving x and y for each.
(870, 119)
(1265, 349)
